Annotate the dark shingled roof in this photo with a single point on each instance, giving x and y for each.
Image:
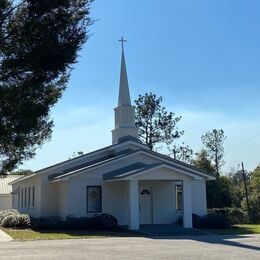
(90, 164)
(128, 170)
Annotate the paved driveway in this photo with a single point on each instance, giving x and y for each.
(196, 247)
(4, 237)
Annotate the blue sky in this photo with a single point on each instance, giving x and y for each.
(202, 57)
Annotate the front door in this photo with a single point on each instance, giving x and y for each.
(146, 205)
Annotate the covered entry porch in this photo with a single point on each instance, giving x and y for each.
(151, 195)
(154, 202)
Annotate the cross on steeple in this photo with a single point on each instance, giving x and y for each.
(124, 112)
(122, 40)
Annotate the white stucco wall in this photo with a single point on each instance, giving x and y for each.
(48, 197)
(72, 199)
(199, 200)
(5, 201)
(61, 199)
(115, 201)
(71, 196)
(33, 211)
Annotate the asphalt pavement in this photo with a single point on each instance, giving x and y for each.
(183, 247)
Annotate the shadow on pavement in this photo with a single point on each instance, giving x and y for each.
(177, 232)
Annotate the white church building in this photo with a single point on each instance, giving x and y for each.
(126, 179)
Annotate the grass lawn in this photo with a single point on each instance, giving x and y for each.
(29, 234)
(238, 230)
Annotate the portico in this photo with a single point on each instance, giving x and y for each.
(151, 196)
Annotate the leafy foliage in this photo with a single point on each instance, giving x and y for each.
(22, 172)
(214, 143)
(182, 153)
(254, 196)
(14, 219)
(39, 41)
(219, 193)
(211, 221)
(202, 161)
(155, 125)
(100, 222)
(232, 215)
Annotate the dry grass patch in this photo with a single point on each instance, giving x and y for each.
(28, 234)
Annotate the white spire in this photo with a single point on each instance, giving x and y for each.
(124, 112)
(124, 96)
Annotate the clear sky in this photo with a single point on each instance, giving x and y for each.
(202, 57)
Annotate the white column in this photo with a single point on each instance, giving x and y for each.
(187, 204)
(133, 205)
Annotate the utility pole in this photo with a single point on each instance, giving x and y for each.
(246, 191)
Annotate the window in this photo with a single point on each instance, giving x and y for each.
(22, 199)
(94, 199)
(179, 198)
(25, 197)
(29, 197)
(33, 196)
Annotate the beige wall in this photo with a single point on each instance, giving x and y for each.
(48, 198)
(199, 200)
(33, 211)
(61, 199)
(116, 201)
(5, 201)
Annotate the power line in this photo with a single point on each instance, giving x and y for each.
(244, 143)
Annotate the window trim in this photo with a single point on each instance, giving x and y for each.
(29, 197)
(94, 186)
(33, 196)
(176, 197)
(22, 198)
(25, 197)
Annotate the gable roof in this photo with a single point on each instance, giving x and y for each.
(116, 156)
(141, 168)
(136, 167)
(5, 188)
(129, 170)
(89, 165)
(123, 142)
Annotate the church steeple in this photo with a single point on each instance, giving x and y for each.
(124, 112)
(124, 95)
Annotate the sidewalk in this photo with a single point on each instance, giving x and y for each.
(4, 237)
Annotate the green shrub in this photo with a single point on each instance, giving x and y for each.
(8, 212)
(213, 221)
(52, 222)
(106, 221)
(209, 221)
(101, 222)
(14, 219)
(196, 221)
(179, 221)
(232, 215)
